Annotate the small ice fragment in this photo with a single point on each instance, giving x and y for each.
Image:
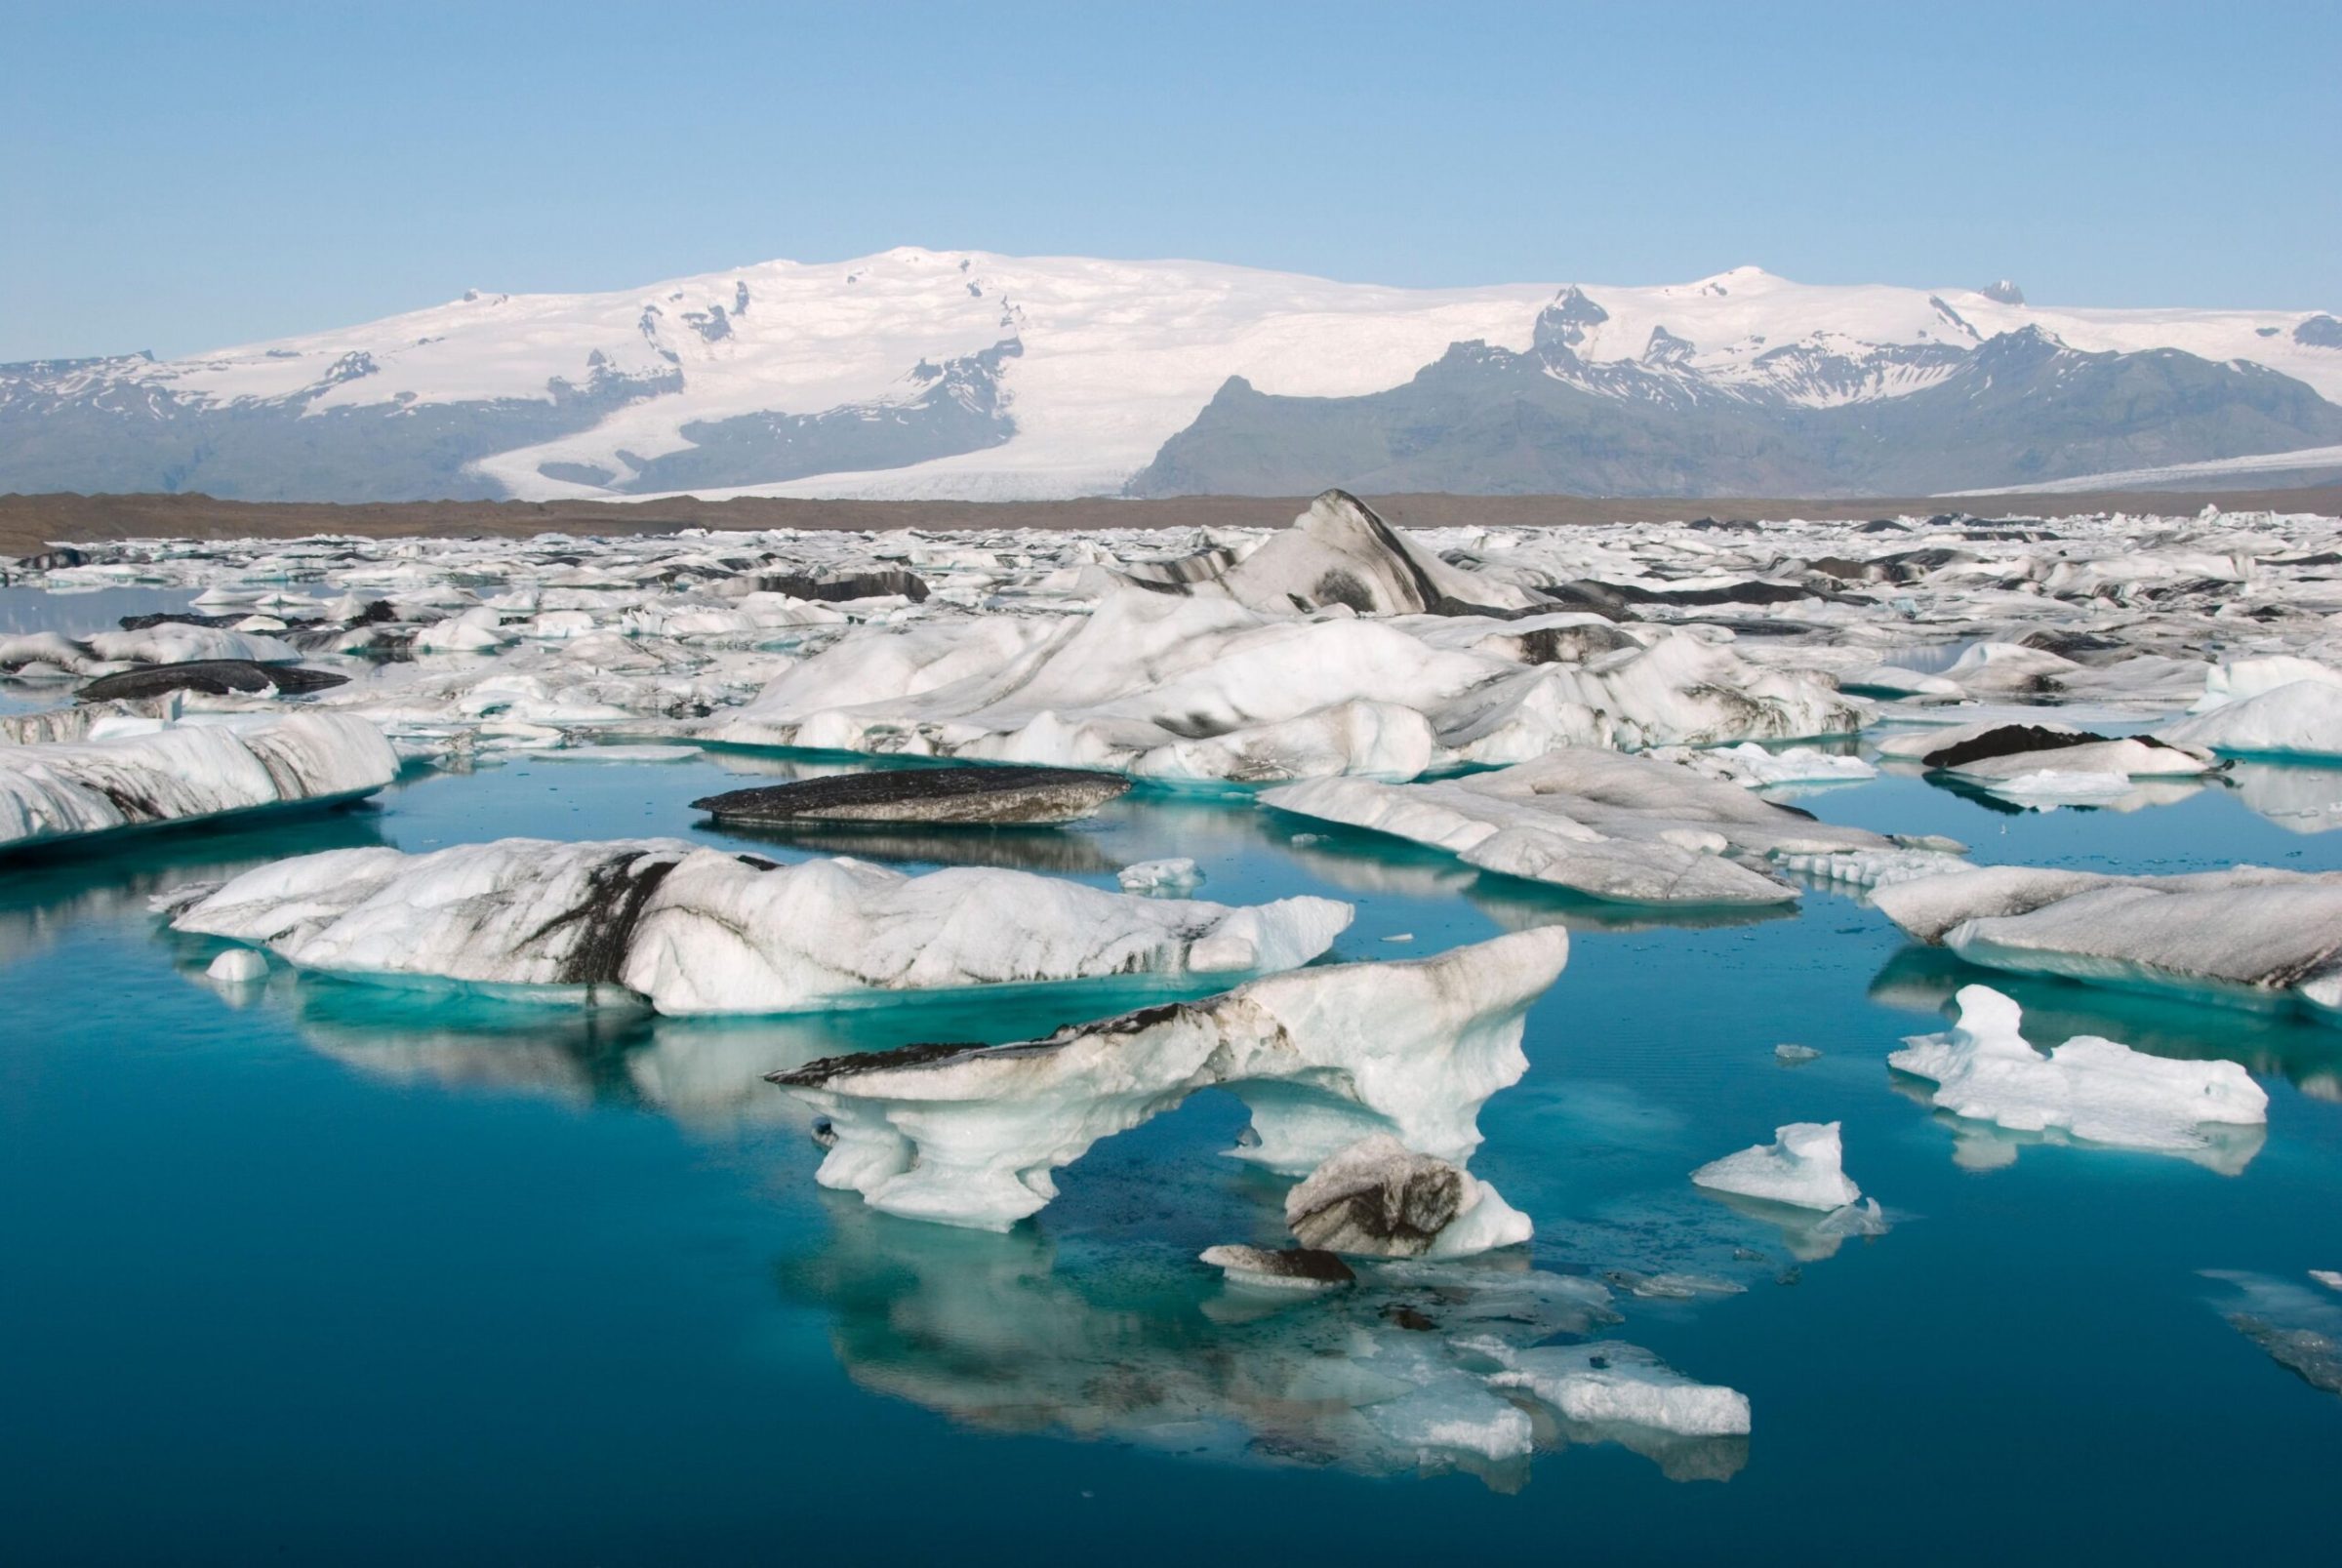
(238, 966)
(1800, 1167)
(2330, 1279)
(1790, 1056)
(1379, 1198)
(1164, 878)
(1402, 936)
(1290, 1268)
(1305, 840)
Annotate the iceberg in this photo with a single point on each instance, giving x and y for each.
(693, 930)
(1021, 797)
(2302, 718)
(1285, 1268)
(971, 1135)
(1624, 828)
(181, 773)
(2095, 1090)
(1171, 877)
(1341, 553)
(1800, 1167)
(2245, 934)
(1378, 1198)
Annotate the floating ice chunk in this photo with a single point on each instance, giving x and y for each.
(238, 966)
(1377, 1198)
(970, 1135)
(66, 790)
(173, 642)
(1290, 1268)
(1619, 827)
(1917, 744)
(1895, 681)
(2247, 933)
(1791, 1055)
(2058, 787)
(1610, 1383)
(1007, 796)
(2301, 719)
(475, 630)
(1871, 868)
(2094, 1089)
(1753, 767)
(1800, 1167)
(2240, 679)
(697, 931)
(2330, 1279)
(1160, 877)
(1340, 552)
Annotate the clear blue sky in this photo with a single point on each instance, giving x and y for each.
(191, 175)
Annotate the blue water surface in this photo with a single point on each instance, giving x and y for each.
(335, 1274)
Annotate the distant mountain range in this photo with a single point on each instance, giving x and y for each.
(924, 373)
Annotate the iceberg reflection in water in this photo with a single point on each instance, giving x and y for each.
(1012, 1333)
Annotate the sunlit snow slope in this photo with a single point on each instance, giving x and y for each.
(963, 373)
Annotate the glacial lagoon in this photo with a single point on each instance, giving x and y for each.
(346, 1273)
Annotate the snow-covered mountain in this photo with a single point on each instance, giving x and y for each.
(963, 373)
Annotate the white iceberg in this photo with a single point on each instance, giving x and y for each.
(694, 929)
(2094, 1089)
(2303, 718)
(1173, 876)
(971, 1135)
(167, 773)
(1800, 1167)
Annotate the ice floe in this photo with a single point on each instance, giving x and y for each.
(971, 1135)
(2247, 933)
(2094, 1090)
(1613, 826)
(1004, 796)
(164, 773)
(695, 930)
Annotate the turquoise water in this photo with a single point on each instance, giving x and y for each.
(341, 1275)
